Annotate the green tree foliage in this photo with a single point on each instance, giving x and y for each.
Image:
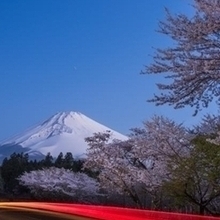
(11, 169)
(1, 182)
(33, 165)
(59, 162)
(78, 166)
(47, 161)
(195, 179)
(68, 161)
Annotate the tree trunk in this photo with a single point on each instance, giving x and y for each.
(201, 210)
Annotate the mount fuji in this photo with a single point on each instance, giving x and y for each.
(64, 132)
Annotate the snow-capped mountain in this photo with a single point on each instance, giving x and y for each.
(63, 132)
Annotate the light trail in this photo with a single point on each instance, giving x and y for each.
(78, 211)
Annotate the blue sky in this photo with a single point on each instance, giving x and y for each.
(84, 56)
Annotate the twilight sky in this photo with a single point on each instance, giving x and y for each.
(82, 55)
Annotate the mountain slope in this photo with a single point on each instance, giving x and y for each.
(63, 132)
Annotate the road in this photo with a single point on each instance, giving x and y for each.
(14, 213)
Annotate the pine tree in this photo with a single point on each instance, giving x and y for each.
(59, 162)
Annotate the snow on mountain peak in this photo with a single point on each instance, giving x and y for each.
(63, 132)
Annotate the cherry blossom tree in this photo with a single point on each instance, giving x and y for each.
(114, 164)
(160, 144)
(210, 124)
(139, 164)
(192, 64)
(60, 181)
